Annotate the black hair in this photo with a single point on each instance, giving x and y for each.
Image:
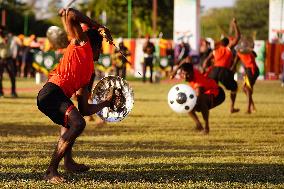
(187, 67)
(95, 38)
(225, 41)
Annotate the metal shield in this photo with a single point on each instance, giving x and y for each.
(122, 102)
(57, 37)
(244, 46)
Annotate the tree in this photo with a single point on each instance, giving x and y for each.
(116, 12)
(252, 18)
(216, 22)
(16, 12)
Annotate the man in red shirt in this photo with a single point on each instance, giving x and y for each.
(72, 74)
(251, 74)
(209, 94)
(223, 60)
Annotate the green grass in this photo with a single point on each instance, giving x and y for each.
(153, 147)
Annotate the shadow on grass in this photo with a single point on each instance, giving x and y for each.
(216, 172)
(26, 130)
(37, 129)
(162, 173)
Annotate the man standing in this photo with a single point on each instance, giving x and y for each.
(6, 62)
(149, 50)
(120, 61)
(251, 74)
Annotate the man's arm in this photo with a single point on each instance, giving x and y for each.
(234, 65)
(88, 109)
(237, 37)
(207, 60)
(199, 90)
(174, 72)
(72, 19)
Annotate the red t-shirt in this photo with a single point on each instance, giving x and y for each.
(209, 85)
(222, 57)
(248, 60)
(74, 70)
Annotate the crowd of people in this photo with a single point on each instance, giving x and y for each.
(16, 57)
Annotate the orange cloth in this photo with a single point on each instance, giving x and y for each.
(222, 57)
(209, 85)
(74, 70)
(248, 60)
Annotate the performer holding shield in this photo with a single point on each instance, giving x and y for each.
(72, 74)
(251, 73)
(209, 94)
(223, 60)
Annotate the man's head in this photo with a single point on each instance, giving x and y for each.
(225, 41)
(96, 42)
(187, 71)
(147, 37)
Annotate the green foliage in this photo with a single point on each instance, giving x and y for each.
(216, 22)
(141, 16)
(252, 17)
(17, 12)
(153, 147)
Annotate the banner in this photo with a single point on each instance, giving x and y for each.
(187, 23)
(276, 21)
(259, 48)
(45, 61)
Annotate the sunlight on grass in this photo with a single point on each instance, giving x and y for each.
(153, 147)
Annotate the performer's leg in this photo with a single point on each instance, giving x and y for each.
(69, 163)
(11, 71)
(2, 65)
(66, 141)
(198, 124)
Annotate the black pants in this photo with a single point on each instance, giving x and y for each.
(52, 101)
(121, 71)
(148, 62)
(225, 76)
(9, 65)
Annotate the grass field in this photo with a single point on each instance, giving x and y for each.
(153, 147)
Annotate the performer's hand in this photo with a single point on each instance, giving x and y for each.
(61, 12)
(109, 96)
(172, 75)
(234, 21)
(106, 34)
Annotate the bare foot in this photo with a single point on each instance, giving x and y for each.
(76, 167)
(54, 178)
(234, 110)
(198, 127)
(90, 118)
(248, 112)
(206, 131)
(100, 122)
(253, 109)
